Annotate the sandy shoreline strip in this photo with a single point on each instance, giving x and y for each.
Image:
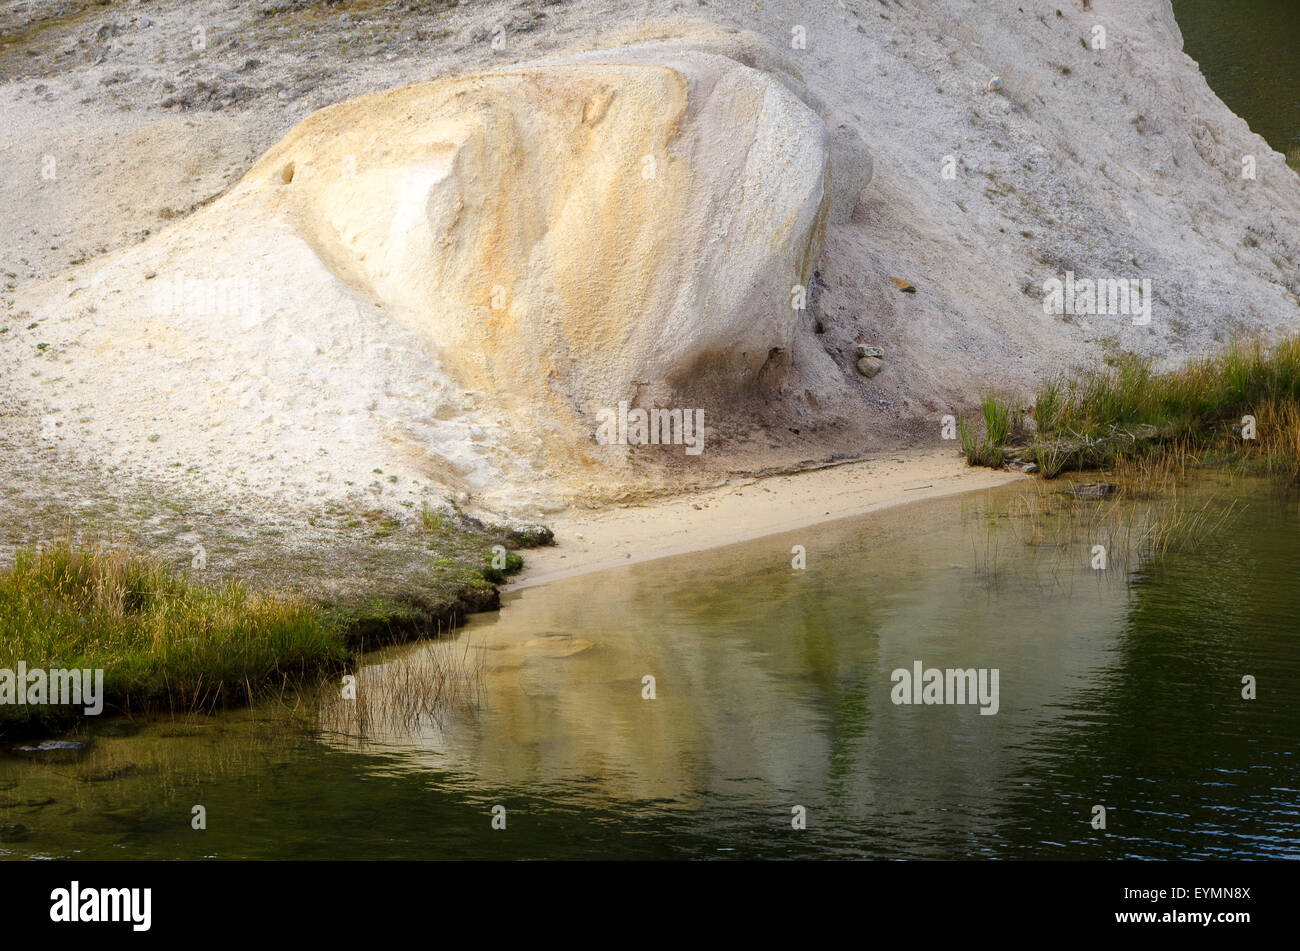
(747, 508)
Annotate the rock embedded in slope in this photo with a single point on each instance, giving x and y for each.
(572, 226)
(870, 360)
(870, 366)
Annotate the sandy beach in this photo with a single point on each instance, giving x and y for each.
(746, 508)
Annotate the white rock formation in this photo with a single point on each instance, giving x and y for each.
(463, 273)
(561, 231)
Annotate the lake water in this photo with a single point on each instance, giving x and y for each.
(1249, 51)
(1119, 687)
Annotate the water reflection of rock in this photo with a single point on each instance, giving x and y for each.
(767, 677)
(772, 688)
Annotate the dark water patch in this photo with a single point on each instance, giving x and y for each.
(1249, 52)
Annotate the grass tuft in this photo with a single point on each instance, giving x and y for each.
(985, 448)
(1128, 410)
(163, 639)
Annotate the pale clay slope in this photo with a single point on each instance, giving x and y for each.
(377, 344)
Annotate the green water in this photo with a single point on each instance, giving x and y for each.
(1249, 52)
(1119, 688)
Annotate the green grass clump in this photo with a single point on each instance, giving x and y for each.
(513, 564)
(434, 520)
(1197, 400)
(997, 419)
(985, 449)
(1129, 410)
(1050, 458)
(1049, 405)
(163, 639)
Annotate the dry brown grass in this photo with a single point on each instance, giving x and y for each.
(1277, 446)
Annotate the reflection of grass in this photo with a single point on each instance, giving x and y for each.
(1293, 158)
(1129, 526)
(415, 686)
(1181, 528)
